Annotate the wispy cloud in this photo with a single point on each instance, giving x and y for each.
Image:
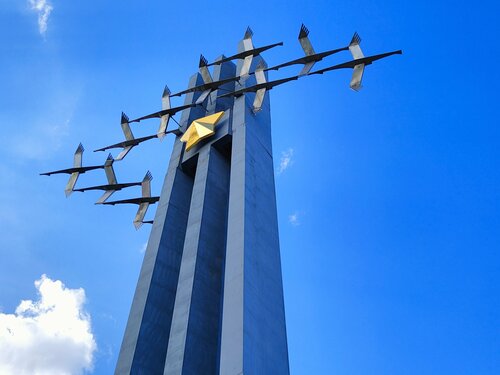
(293, 219)
(50, 336)
(286, 160)
(43, 8)
(144, 247)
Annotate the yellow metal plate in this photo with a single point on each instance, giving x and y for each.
(200, 129)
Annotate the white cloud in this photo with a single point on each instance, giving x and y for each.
(51, 336)
(43, 8)
(144, 247)
(286, 160)
(294, 219)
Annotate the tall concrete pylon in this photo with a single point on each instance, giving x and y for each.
(209, 299)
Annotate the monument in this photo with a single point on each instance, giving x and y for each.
(209, 299)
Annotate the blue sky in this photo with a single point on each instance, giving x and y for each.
(388, 207)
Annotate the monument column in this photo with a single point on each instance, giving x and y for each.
(145, 341)
(253, 340)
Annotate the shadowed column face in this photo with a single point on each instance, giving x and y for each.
(194, 338)
(195, 335)
(145, 341)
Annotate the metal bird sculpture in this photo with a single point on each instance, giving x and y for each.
(260, 88)
(129, 142)
(311, 57)
(204, 127)
(359, 62)
(165, 114)
(144, 201)
(208, 85)
(75, 171)
(247, 55)
(112, 185)
(249, 51)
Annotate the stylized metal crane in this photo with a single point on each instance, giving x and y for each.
(248, 54)
(112, 185)
(129, 142)
(311, 57)
(358, 64)
(205, 127)
(260, 88)
(75, 171)
(144, 201)
(208, 85)
(165, 114)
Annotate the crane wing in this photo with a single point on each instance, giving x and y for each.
(165, 98)
(141, 213)
(77, 160)
(307, 68)
(305, 43)
(165, 106)
(203, 96)
(126, 127)
(247, 63)
(357, 76)
(205, 74)
(247, 39)
(110, 172)
(146, 185)
(260, 77)
(105, 196)
(124, 152)
(354, 47)
(71, 183)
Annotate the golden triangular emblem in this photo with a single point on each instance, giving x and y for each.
(200, 129)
